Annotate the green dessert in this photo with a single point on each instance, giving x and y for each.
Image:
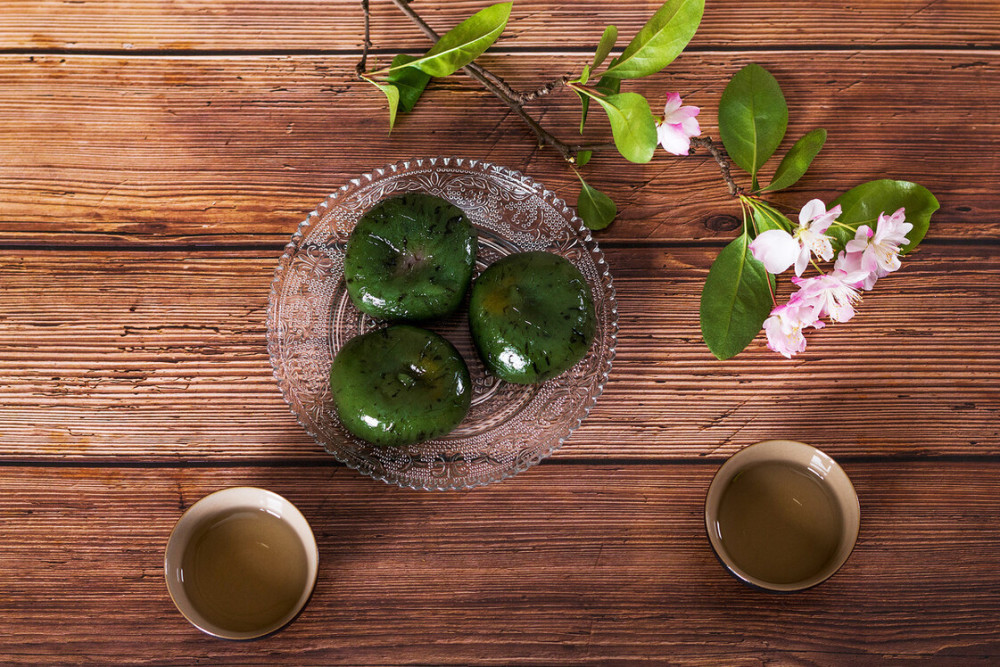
(410, 258)
(531, 316)
(400, 385)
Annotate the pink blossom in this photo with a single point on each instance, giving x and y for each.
(831, 294)
(876, 253)
(677, 126)
(784, 327)
(779, 249)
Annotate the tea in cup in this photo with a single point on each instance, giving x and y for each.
(241, 563)
(782, 515)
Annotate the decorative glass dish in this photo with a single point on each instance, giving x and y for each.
(509, 427)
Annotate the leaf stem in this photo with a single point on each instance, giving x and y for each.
(772, 214)
(852, 228)
(753, 220)
(744, 205)
(584, 90)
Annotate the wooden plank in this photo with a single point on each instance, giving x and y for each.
(161, 356)
(563, 564)
(215, 150)
(336, 24)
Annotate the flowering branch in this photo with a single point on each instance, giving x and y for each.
(739, 295)
(524, 98)
(512, 98)
(515, 100)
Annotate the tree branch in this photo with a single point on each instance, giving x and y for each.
(544, 90)
(507, 94)
(363, 63)
(720, 159)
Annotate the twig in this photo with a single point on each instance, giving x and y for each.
(720, 159)
(592, 147)
(500, 89)
(544, 90)
(508, 93)
(363, 63)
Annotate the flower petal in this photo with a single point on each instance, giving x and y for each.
(812, 210)
(691, 127)
(673, 139)
(822, 222)
(802, 261)
(776, 249)
(673, 103)
(682, 114)
(869, 261)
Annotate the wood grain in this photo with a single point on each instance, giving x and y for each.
(161, 356)
(310, 25)
(219, 150)
(155, 157)
(562, 564)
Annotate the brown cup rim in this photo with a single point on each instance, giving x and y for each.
(223, 500)
(826, 469)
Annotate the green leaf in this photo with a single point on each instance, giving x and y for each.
(465, 42)
(583, 157)
(632, 125)
(392, 95)
(797, 160)
(766, 217)
(753, 117)
(735, 301)
(863, 204)
(661, 40)
(607, 86)
(409, 81)
(585, 74)
(595, 208)
(604, 47)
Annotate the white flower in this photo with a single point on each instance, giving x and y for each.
(778, 249)
(678, 125)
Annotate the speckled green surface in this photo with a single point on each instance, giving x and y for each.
(532, 317)
(410, 258)
(400, 385)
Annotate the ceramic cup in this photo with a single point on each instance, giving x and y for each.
(218, 505)
(843, 517)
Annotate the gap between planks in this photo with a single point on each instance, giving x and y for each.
(509, 50)
(330, 462)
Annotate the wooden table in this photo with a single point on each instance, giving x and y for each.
(155, 157)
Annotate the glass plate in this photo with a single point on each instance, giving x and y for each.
(509, 427)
